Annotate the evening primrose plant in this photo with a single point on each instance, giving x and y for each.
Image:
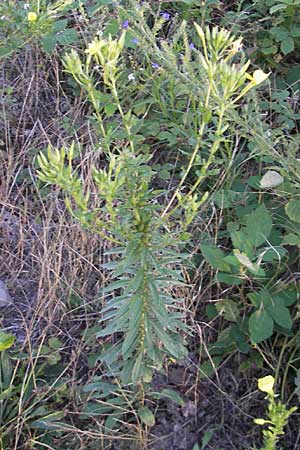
(142, 322)
(277, 413)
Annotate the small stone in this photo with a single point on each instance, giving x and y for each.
(5, 298)
(271, 179)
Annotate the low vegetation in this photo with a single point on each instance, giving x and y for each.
(149, 271)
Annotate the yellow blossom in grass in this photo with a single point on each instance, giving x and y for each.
(258, 77)
(31, 16)
(266, 384)
(95, 47)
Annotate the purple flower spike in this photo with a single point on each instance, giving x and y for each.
(192, 46)
(155, 65)
(125, 25)
(135, 41)
(165, 16)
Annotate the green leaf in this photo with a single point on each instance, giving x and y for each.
(208, 368)
(146, 416)
(49, 42)
(67, 37)
(215, 257)
(278, 311)
(245, 261)
(231, 280)
(5, 51)
(206, 438)
(291, 239)
(277, 8)
(7, 393)
(137, 368)
(110, 109)
(288, 297)
(295, 31)
(59, 25)
(170, 394)
(259, 225)
(229, 309)
(260, 326)
(287, 45)
(55, 343)
(49, 422)
(293, 209)
(6, 341)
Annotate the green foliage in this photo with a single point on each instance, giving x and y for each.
(25, 386)
(6, 341)
(39, 22)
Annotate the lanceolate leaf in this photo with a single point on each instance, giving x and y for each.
(146, 416)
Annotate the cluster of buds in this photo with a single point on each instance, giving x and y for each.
(228, 81)
(106, 53)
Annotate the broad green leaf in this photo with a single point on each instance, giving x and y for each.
(110, 109)
(67, 37)
(229, 309)
(48, 43)
(293, 209)
(59, 25)
(6, 341)
(260, 326)
(291, 239)
(259, 225)
(288, 296)
(208, 368)
(231, 280)
(146, 416)
(245, 261)
(277, 310)
(295, 31)
(215, 257)
(55, 343)
(287, 45)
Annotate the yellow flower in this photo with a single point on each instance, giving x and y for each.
(266, 384)
(95, 47)
(237, 45)
(259, 76)
(31, 16)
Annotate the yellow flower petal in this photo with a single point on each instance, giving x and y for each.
(259, 76)
(31, 16)
(266, 384)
